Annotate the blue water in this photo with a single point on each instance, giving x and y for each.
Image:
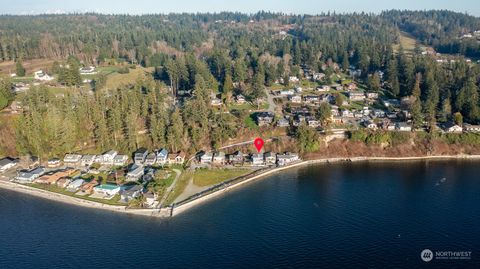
(329, 216)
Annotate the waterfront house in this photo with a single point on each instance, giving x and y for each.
(236, 158)
(107, 157)
(63, 182)
(73, 159)
(403, 127)
(150, 199)
(131, 192)
(162, 156)
(219, 158)
(120, 160)
(140, 155)
(106, 189)
(257, 159)
(135, 173)
(270, 158)
(287, 158)
(7, 163)
(283, 123)
(451, 127)
(206, 158)
(87, 160)
(88, 187)
(471, 128)
(75, 185)
(151, 159)
(30, 176)
(51, 178)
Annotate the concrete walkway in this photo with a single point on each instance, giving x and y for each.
(190, 190)
(170, 188)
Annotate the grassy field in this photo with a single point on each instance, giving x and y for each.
(182, 183)
(407, 42)
(116, 80)
(208, 177)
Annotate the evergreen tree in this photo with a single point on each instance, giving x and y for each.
(19, 68)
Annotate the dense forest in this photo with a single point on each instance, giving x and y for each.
(224, 54)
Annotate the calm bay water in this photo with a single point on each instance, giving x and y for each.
(358, 215)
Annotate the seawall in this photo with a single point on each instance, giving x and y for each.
(184, 207)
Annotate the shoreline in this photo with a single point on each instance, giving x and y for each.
(169, 212)
(184, 207)
(57, 197)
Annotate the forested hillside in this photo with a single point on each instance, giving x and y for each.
(223, 55)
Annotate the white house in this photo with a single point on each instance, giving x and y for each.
(219, 158)
(42, 76)
(7, 163)
(162, 156)
(108, 157)
(270, 157)
(287, 92)
(293, 79)
(471, 128)
(87, 160)
(257, 159)
(206, 158)
(120, 160)
(403, 127)
(287, 158)
(72, 158)
(451, 127)
(88, 70)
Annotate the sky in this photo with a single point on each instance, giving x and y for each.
(247, 6)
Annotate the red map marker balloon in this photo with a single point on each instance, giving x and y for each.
(259, 144)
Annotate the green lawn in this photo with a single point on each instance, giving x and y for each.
(182, 183)
(250, 122)
(208, 177)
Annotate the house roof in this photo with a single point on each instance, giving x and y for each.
(6, 161)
